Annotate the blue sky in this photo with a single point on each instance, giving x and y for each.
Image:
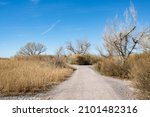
(54, 22)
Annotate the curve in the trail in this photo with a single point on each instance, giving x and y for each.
(87, 84)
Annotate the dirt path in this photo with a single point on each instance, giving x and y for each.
(87, 84)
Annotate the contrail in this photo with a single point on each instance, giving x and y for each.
(51, 27)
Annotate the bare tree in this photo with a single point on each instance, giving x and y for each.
(32, 49)
(145, 42)
(59, 59)
(59, 51)
(100, 51)
(82, 47)
(120, 38)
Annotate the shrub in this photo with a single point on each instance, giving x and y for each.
(83, 59)
(113, 67)
(59, 61)
(136, 68)
(28, 76)
(98, 66)
(140, 73)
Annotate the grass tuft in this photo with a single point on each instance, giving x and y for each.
(21, 76)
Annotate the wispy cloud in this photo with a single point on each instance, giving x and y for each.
(35, 1)
(51, 27)
(3, 3)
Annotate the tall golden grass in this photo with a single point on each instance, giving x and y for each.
(112, 66)
(137, 69)
(140, 73)
(20, 76)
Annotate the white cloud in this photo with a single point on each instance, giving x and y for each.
(51, 27)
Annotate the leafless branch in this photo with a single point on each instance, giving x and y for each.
(81, 47)
(32, 49)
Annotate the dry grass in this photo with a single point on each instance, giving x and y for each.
(28, 76)
(137, 69)
(34, 58)
(54, 60)
(112, 67)
(140, 73)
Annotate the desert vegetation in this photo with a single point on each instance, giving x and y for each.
(29, 71)
(125, 54)
(87, 59)
(21, 76)
(79, 53)
(136, 69)
(123, 57)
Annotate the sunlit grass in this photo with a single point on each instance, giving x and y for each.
(28, 76)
